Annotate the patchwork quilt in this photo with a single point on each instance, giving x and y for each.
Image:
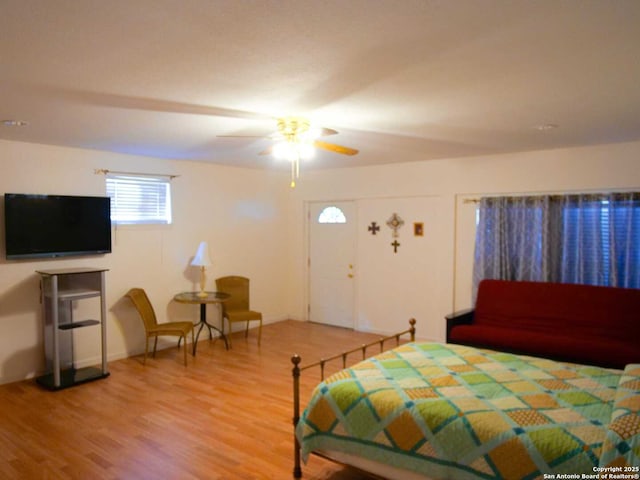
(453, 411)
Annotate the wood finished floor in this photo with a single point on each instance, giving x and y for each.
(227, 415)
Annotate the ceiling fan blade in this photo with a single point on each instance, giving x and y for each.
(335, 148)
(267, 151)
(327, 131)
(323, 132)
(270, 135)
(242, 136)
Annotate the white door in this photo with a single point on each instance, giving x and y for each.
(332, 248)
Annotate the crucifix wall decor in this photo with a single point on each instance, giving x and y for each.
(394, 223)
(395, 244)
(373, 228)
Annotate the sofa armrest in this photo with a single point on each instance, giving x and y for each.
(461, 317)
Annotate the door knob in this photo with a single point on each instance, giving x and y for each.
(350, 275)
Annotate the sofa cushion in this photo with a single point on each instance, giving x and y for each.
(547, 307)
(562, 344)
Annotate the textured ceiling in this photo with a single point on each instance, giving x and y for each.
(401, 80)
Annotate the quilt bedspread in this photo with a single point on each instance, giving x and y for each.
(452, 411)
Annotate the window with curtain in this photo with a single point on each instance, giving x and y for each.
(584, 238)
(139, 199)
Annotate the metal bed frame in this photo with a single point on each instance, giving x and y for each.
(297, 370)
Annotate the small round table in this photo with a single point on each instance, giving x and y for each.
(211, 297)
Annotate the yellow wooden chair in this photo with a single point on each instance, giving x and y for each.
(154, 329)
(236, 308)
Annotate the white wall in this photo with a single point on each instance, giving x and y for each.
(390, 283)
(446, 183)
(255, 226)
(241, 213)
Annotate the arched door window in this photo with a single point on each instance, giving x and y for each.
(332, 214)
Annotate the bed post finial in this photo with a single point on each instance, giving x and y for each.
(297, 468)
(412, 330)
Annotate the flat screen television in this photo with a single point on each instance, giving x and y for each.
(48, 226)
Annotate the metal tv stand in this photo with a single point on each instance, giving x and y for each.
(60, 288)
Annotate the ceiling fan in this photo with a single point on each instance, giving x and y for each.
(297, 140)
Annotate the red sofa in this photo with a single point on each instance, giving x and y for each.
(576, 323)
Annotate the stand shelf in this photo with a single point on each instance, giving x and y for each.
(83, 323)
(59, 290)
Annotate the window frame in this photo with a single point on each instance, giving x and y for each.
(153, 192)
(330, 215)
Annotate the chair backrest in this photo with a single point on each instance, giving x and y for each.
(139, 298)
(238, 288)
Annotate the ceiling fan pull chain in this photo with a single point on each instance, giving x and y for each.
(293, 174)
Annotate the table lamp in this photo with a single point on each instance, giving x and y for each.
(202, 260)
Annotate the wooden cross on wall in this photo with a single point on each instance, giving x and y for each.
(395, 246)
(373, 228)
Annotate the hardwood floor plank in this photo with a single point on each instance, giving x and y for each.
(227, 415)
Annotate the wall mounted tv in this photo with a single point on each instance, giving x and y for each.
(48, 226)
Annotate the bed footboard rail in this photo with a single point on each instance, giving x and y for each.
(297, 370)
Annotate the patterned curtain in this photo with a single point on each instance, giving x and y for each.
(590, 239)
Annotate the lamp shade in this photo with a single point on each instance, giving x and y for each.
(202, 256)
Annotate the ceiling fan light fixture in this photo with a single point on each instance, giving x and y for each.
(293, 151)
(298, 140)
(306, 150)
(313, 133)
(283, 151)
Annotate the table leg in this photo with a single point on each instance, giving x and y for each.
(195, 342)
(203, 323)
(203, 318)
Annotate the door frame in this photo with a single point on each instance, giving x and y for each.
(307, 258)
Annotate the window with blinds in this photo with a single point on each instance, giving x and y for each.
(591, 239)
(605, 233)
(138, 199)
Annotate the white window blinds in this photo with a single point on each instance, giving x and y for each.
(138, 199)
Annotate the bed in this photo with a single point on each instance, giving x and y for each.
(432, 410)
